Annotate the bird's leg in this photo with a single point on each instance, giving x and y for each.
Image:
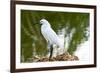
(51, 51)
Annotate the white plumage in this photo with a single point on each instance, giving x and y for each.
(49, 34)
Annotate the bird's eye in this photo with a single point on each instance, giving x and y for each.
(41, 22)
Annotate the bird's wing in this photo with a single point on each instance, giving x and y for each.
(50, 35)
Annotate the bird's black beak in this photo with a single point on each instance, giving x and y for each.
(40, 23)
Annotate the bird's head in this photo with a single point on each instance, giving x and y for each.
(44, 22)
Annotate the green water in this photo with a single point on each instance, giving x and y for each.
(32, 41)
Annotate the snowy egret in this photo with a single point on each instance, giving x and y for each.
(50, 36)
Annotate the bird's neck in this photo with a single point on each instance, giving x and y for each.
(47, 25)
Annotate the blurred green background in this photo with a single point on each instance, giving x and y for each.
(32, 41)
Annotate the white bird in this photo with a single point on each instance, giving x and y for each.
(50, 36)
